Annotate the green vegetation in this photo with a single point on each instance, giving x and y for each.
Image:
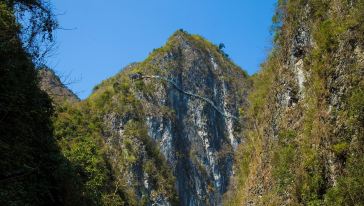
(112, 165)
(81, 130)
(283, 159)
(199, 42)
(77, 133)
(302, 146)
(310, 153)
(32, 169)
(55, 153)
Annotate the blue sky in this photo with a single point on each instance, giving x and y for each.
(101, 37)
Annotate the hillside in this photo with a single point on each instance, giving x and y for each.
(161, 137)
(304, 144)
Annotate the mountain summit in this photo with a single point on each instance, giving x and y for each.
(168, 125)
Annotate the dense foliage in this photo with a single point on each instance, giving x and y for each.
(31, 164)
(308, 151)
(105, 164)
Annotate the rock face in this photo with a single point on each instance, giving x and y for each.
(197, 140)
(53, 86)
(191, 114)
(305, 120)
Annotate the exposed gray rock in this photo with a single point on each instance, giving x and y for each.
(198, 142)
(196, 135)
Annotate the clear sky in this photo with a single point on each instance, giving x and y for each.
(101, 37)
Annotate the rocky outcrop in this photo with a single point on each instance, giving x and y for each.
(53, 86)
(198, 142)
(190, 112)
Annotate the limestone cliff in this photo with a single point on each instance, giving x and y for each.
(169, 125)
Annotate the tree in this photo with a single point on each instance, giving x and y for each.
(32, 170)
(36, 23)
